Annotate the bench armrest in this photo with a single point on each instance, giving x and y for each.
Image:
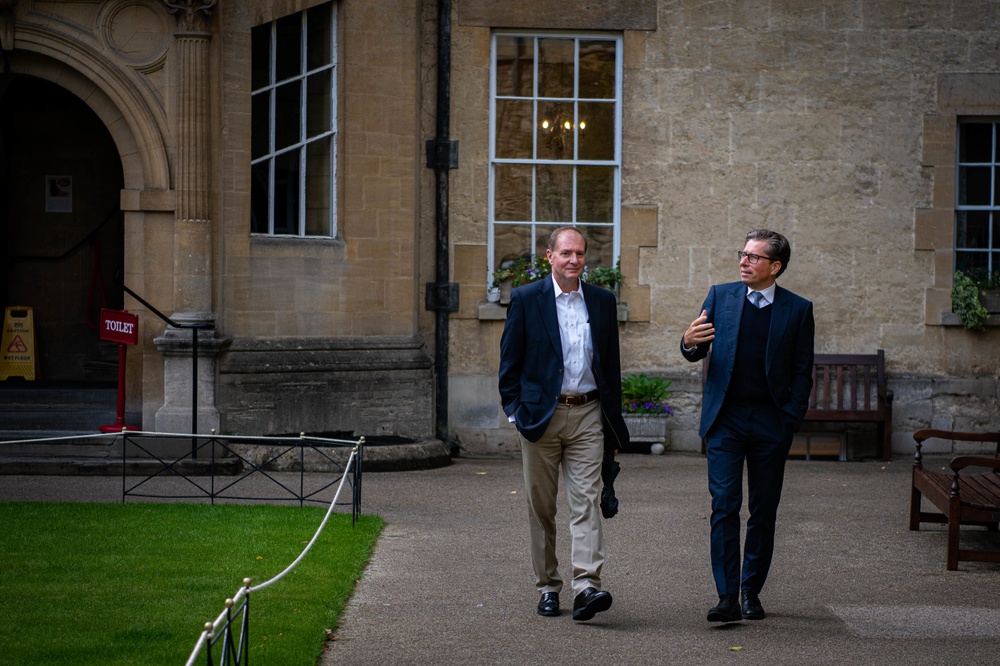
(961, 462)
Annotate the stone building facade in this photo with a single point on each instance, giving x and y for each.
(283, 207)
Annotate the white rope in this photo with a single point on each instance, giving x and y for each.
(211, 627)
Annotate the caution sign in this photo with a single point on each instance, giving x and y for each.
(17, 347)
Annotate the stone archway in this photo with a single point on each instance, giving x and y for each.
(61, 227)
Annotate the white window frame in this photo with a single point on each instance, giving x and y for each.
(301, 146)
(616, 162)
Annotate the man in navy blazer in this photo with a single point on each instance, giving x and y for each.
(560, 384)
(756, 395)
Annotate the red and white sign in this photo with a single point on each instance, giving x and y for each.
(119, 326)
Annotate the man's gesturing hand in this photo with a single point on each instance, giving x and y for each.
(700, 331)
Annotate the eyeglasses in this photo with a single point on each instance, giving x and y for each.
(752, 258)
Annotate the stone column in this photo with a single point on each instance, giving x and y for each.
(192, 232)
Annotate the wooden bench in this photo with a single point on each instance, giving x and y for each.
(851, 388)
(961, 498)
(848, 388)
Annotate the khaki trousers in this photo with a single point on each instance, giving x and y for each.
(574, 440)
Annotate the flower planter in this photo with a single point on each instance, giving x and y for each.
(990, 298)
(647, 433)
(505, 288)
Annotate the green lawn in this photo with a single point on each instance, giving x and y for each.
(135, 583)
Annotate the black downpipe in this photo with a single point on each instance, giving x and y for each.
(442, 155)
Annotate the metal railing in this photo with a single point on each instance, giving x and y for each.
(222, 466)
(195, 327)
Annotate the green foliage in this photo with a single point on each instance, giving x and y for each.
(606, 276)
(135, 583)
(645, 395)
(983, 279)
(522, 270)
(966, 304)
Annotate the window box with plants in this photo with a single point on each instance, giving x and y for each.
(974, 297)
(645, 410)
(516, 272)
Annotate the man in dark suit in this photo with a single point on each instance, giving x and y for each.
(756, 394)
(560, 384)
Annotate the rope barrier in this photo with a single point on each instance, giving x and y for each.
(212, 627)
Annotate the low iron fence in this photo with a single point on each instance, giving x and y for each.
(240, 468)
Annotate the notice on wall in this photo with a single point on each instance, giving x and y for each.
(59, 194)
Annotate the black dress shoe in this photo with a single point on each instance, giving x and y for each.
(549, 604)
(728, 609)
(752, 610)
(590, 602)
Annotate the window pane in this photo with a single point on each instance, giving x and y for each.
(969, 261)
(287, 109)
(973, 229)
(554, 194)
(260, 125)
(258, 197)
(974, 186)
(513, 128)
(515, 66)
(600, 246)
(260, 56)
(975, 142)
(597, 69)
(595, 188)
(555, 130)
(319, 41)
(555, 67)
(510, 241)
(597, 131)
(318, 104)
(286, 193)
(512, 192)
(318, 188)
(288, 52)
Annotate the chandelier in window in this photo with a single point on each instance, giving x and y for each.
(556, 128)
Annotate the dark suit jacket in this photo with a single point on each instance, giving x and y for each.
(531, 360)
(788, 359)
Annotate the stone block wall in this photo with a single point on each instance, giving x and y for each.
(830, 122)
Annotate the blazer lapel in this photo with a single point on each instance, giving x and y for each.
(594, 315)
(732, 312)
(779, 320)
(547, 307)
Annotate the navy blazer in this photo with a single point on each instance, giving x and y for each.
(531, 360)
(788, 359)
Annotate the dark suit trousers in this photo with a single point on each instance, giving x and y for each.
(758, 436)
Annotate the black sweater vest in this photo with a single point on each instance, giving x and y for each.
(748, 383)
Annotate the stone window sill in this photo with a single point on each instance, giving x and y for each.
(951, 319)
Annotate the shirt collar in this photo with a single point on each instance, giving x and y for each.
(767, 293)
(558, 290)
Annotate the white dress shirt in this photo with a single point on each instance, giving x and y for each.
(767, 295)
(577, 344)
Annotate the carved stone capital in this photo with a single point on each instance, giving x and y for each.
(192, 15)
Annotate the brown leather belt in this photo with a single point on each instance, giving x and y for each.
(581, 399)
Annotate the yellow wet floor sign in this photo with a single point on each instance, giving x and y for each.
(17, 347)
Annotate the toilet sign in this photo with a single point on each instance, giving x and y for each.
(119, 326)
(122, 327)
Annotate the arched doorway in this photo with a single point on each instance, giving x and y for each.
(61, 227)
